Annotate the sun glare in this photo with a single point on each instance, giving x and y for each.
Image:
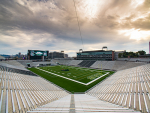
(136, 34)
(136, 3)
(90, 8)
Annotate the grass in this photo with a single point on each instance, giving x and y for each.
(83, 75)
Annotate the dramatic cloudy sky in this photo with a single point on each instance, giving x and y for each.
(52, 25)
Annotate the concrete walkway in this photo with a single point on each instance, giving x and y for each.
(81, 103)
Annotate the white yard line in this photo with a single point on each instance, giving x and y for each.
(75, 80)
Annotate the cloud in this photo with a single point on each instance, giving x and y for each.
(52, 25)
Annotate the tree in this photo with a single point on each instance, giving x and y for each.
(120, 55)
(136, 54)
(125, 54)
(142, 52)
(131, 54)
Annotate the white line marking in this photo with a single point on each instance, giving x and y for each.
(75, 80)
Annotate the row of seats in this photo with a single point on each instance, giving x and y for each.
(129, 88)
(12, 64)
(130, 65)
(22, 93)
(67, 62)
(81, 103)
(89, 63)
(63, 62)
(85, 63)
(88, 104)
(32, 64)
(15, 70)
(119, 64)
(116, 65)
(75, 62)
(25, 62)
(135, 59)
(58, 106)
(111, 65)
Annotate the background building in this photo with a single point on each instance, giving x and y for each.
(66, 55)
(117, 53)
(55, 54)
(96, 55)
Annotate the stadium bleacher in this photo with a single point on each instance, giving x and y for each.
(83, 63)
(61, 105)
(32, 64)
(63, 62)
(74, 62)
(83, 103)
(89, 63)
(89, 104)
(22, 92)
(131, 64)
(96, 64)
(25, 62)
(86, 63)
(119, 64)
(127, 90)
(99, 64)
(135, 59)
(110, 65)
(13, 64)
(14, 70)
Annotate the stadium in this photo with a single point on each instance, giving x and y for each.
(109, 86)
(54, 56)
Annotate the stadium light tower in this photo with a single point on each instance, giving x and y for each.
(104, 47)
(80, 50)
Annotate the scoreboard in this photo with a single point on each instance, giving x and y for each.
(37, 54)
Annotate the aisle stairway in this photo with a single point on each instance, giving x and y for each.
(80, 103)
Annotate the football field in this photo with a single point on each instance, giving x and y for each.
(73, 79)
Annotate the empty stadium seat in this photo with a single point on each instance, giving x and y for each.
(129, 88)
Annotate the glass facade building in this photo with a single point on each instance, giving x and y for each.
(96, 55)
(53, 55)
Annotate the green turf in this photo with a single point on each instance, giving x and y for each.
(83, 75)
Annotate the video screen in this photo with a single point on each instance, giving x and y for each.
(38, 53)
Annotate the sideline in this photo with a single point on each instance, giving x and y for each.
(72, 79)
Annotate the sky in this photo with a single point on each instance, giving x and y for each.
(52, 25)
